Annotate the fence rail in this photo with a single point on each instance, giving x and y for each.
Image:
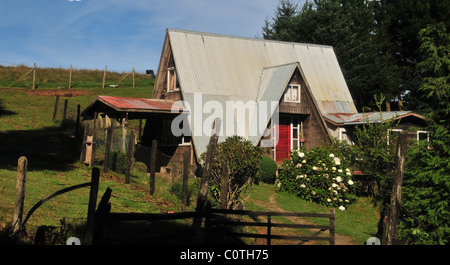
(215, 213)
(214, 219)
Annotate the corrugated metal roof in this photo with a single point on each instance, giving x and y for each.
(135, 107)
(140, 104)
(227, 65)
(371, 117)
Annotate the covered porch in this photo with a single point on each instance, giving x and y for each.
(155, 117)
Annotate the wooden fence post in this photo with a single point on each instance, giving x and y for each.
(269, 229)
(83, 144)
(186, 163)
(34, 76)
(20, 193)
(108, 146)
(94, 140)
(130, 153)
(70, 77)
(224, 186)
(95, 178)
(104, 76)
(55, 109)
(396, 194)
(66, 103)
(153, 166)
(332, 229)
(77, 124)
(207, 169)
(124, 132)
(134, 84)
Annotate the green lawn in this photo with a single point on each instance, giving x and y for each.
(359, 221)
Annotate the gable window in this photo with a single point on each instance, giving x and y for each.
(172, 82)
(292, 93)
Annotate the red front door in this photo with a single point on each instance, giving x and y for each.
(283, 147)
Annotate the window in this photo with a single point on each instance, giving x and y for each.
(423, 135)
(172, 82)
(342, 135)
(292, 93)
(393, 132)
(420, 135)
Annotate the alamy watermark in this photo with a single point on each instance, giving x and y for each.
(247, 119)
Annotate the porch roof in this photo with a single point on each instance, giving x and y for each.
(135, 108)
(371, 117)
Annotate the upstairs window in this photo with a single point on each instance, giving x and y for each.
(172, 82)
(292, 93)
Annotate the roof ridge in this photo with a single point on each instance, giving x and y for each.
(245, 38)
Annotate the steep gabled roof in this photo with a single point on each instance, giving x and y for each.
(226, 65)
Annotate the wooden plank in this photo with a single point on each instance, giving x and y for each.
(258, 213)
(332, 228)
(150, 216)
(95, 178)
(20, 193)
(108, 147)
(130, 154)
(308, 238)
(308, 226)
(207, 169)
(153, 166)
(186, 163)
(224, 186)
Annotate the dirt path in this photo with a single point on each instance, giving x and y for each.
(273, 206)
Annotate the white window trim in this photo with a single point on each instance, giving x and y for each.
(289, 90)
(428, 135)
(299, 127)
(389, 132)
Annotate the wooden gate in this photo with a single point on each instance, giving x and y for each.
(217, 220)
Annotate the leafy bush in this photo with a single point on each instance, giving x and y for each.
(117, 162)
(242, 159)
(268, 169)
(318, 176)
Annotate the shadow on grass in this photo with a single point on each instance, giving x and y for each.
(51, 148)
(161, 233)
(4, 112)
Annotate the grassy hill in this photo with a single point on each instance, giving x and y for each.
(59, 78)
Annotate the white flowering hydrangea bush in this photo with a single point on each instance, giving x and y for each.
(319, 176)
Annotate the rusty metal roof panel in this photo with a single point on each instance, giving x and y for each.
(360, 118)
(140, 104)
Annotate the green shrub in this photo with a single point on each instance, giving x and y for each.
(318, 176)
(117, 162)
(242, 159)
(268, 169)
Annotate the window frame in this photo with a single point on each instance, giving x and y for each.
(175, 81)
(289, 91)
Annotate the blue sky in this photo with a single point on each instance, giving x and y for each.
(118, 33)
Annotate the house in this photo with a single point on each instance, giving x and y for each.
(279, 95)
